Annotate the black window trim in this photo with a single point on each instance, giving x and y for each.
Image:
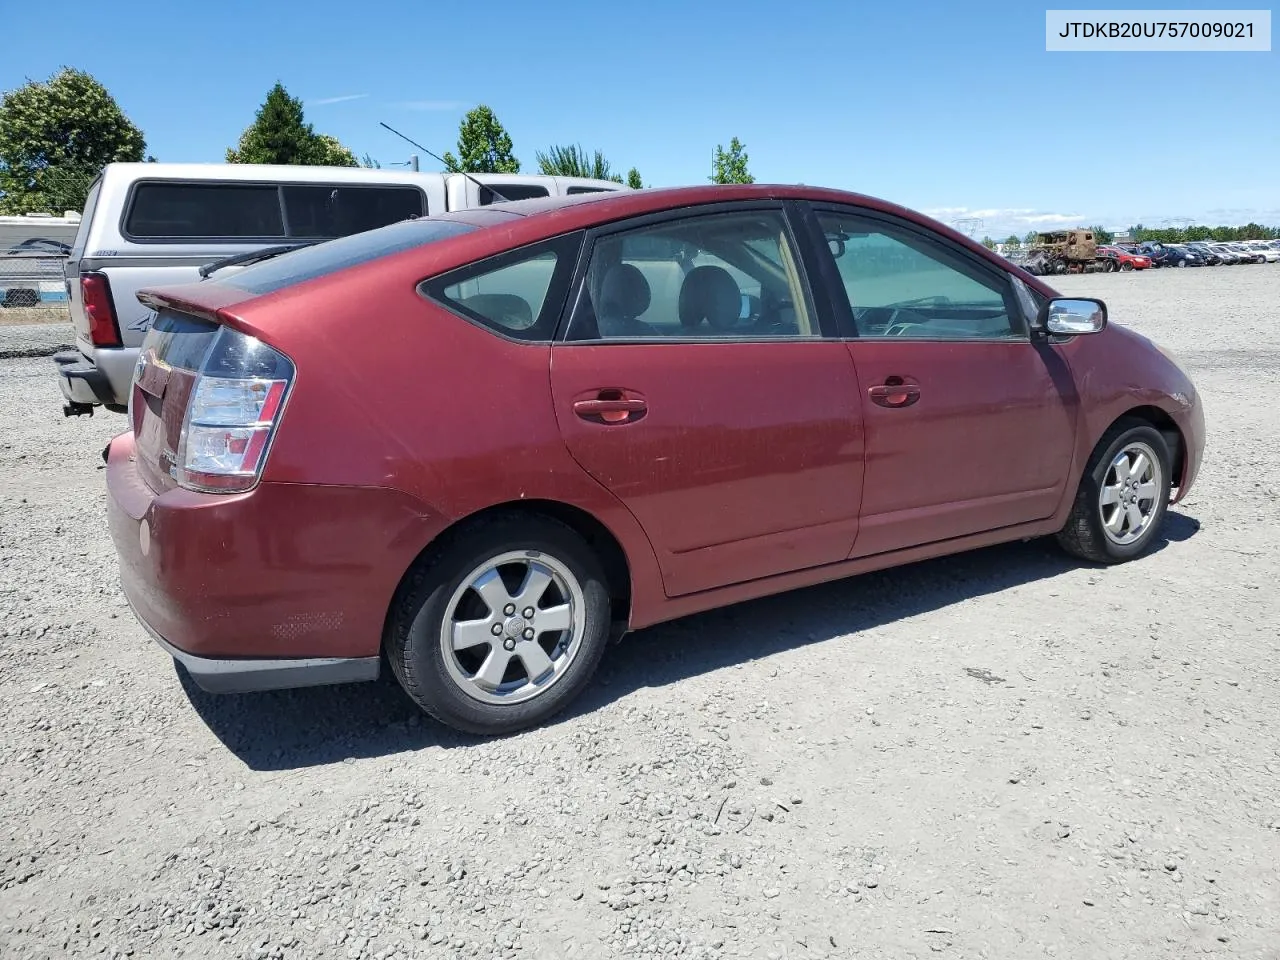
(834, 283)
(567, 260)
(278, 185)
(795, 234)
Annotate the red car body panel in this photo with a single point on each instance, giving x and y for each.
(1137, 260)
(987, 445)
(766, 470)
(772, 433)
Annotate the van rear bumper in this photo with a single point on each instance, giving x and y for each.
(101, 380)
(80, 379)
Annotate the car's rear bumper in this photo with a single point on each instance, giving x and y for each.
(287, 585)
(251, 674)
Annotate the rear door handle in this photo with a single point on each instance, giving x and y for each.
(611, 409)
(894, 393)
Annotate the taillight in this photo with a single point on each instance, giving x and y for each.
(232, 411)
(95, 294)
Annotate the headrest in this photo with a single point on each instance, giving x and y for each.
(710, 293)
(624, 292)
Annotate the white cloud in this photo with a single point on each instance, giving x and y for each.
(436, 105)
(1006, 220)
(323, 101)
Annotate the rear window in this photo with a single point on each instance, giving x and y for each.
(327, 211)
(573, 190)
(230, 212)
(512, 191)
(309, 263)
(170, 211)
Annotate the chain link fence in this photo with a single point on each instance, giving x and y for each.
(33, 288)
(38, 220)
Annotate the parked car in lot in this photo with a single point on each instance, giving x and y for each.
(482, 443)
(1246, 253)
(1123, 259)
(1172, 255)
(160, 223)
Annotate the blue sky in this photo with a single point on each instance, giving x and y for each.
(950, 107)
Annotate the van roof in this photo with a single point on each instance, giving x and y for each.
(296, 172)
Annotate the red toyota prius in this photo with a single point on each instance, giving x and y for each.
(477, 446)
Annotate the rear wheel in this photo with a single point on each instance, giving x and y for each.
(502, 627)
(1123, 496)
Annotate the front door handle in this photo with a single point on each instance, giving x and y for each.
(611, 408)
(894, 393)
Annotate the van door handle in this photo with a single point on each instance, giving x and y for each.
(611, 408)
(894, 393)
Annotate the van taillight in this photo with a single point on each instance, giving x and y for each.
(231, 414)
(95, 294)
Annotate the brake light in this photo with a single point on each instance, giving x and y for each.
(95, 294)
(232, 411)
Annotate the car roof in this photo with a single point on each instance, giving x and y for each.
(546, 216)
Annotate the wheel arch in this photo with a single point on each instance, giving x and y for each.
(1168, 428)
(603, 542)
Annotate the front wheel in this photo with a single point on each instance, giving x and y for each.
(501, 628)
(1123, 496)
(1126, 266)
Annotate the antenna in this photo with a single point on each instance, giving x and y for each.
(482, 186)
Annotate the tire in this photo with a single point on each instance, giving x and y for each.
(1085, 534)
(1182, 263)
(450, 686)
(1126, 266)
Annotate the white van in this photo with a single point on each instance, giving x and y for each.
(152, 224)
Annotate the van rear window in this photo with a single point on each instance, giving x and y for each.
(231, 212)
(512, 191)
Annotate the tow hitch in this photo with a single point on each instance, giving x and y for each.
(73, 409)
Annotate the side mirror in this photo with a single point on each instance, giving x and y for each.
(1073, 317)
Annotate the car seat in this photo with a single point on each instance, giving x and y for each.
(624, 296)
(710, 293)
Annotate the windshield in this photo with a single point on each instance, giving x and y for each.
(311, 262)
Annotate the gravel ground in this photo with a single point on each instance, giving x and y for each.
(34, 340)
(1000, 755)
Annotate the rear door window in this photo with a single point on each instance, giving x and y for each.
(227, 211)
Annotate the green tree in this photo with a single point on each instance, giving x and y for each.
(730, 166)
(572, 161)
(988, 243)
(484, 146)
(1102, 234)
(1030, 238)
(280, 134)
(55, 136)
(1012, 241)
(633, 179)
(334, 154)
